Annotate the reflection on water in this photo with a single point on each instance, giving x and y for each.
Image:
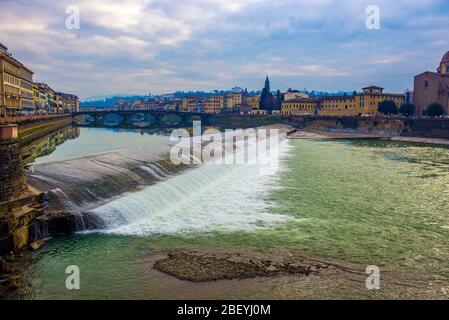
(75, 142)
(48, 144)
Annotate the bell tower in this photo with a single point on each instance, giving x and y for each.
(444, 64)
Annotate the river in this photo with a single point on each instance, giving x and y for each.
(355, 203)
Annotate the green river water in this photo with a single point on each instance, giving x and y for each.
(354, 202)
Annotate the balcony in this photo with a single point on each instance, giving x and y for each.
(27, 95)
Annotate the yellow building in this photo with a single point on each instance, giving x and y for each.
(48, 98)
(253, 102)
(365, 103)
(213, 104)
(19, 94)
(26, 90)
(191, 104)
(67, 103)
(36, 98)
(302, 106)
(10, 75)
(338, 106)
(233, 101)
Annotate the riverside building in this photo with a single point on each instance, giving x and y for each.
(358, 104)
(20, 95)
(10, 83)
(433, 87)
(299, 106)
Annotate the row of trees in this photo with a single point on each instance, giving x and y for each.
(409, 109)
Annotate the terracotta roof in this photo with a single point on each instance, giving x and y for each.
(336, 97)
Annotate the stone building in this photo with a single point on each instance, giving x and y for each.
(192, 104)
(358, 104)
(433, 87)
(300, 106)
(10, 83)
(213, 104)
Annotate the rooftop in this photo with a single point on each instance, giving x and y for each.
(372, 87)
(445, 58)
(304, 100)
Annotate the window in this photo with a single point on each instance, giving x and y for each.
(426, 83)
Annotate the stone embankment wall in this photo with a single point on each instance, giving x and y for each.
(23, 220)
(427, 128)
(412, 127)
(12, 176)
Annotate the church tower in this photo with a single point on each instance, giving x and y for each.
(266, 98)
(267, 84)
(444, 64)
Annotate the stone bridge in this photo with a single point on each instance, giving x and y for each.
(138, 119)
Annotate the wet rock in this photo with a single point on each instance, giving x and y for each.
(5, 267)
(60, 223)
(272, 269)
(13, 282)
(6, 244)
(203, 268)
(36, 245)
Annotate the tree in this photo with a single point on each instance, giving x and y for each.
(407, 109)
(388, 107)
(435, 110)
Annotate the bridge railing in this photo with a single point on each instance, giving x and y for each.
(22, 119)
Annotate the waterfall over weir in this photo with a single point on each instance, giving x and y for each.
(210, 197)
(140, 192)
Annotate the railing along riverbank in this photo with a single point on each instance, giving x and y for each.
(28, 119)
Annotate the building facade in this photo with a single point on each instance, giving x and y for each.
(253, 102)
(26, 90)
(358, 104)
(213, 104)
(233, 101)
(433, 87)
(10, 83)
(47, 97)
(301, 106)
(20, 95)
(67, 103)
(192, 104)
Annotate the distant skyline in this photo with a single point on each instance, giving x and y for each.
(142, 46)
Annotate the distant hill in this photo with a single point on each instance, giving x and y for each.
(109, 102)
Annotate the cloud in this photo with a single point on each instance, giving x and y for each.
(165, 45)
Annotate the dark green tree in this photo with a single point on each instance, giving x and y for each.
(407, 109)
(278, 99)
(435, 110)
(387, 107)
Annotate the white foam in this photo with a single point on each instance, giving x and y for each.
(209, 198)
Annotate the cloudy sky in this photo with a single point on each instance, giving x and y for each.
(159, 46)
